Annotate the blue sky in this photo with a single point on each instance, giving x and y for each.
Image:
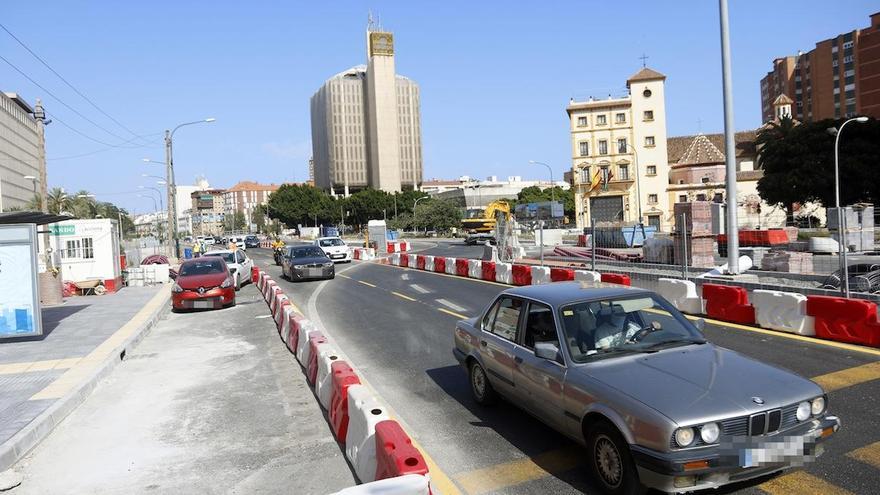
(495, 76)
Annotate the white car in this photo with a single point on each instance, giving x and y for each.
(335, 248)
(238, 262)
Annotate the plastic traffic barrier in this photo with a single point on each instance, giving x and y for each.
(364, 413)
(315, 339)
(405, 246)
(785, 311)
(488, 271)
(845, 320)
(395, 454)
(391, 247)
(286, 322)
(440, 264)
(300, 327)
(561, 274)
(522, 275)
(587, 276)
(413, 260)
(615, 278)
(356, 254)
(255, 274)
(540, 275)
(504, 273)
(461, 267)
(429, 263)
(410, 484)
(327, 355)
(404, 260)
(303, 350)
(279, 313)
(728, 303)
(682, 294)
(343, 376)
(451, 266)
(420, 262)
(395, 259)
(475, 268)
(275, 302)
(267, 289)
(260, 281)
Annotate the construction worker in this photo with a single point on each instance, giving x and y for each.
(197, 249)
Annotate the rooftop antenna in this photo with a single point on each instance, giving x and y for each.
(371, 23)
(644, 58)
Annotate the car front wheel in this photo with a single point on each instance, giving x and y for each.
(481, 389)
(611, 463)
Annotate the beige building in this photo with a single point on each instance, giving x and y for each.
(619, 162)
(245, 197)
(366, 125)
(22, 152)
(208, 212)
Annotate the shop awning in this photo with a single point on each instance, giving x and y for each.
(37, 217)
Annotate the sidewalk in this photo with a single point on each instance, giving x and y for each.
(45, 378)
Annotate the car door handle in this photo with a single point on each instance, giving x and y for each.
(518, 360)
(483, 343)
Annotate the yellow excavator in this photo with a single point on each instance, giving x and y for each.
(486, 223)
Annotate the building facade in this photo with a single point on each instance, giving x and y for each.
(473, 196)
(22, 152)
(245, 197)
(366, 125)
(208, 212)
(619, 162)
(838, 78)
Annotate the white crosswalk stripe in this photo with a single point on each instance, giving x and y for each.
(451, 305)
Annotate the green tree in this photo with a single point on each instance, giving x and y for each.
(295, 204)
(58, 201)
(440, 215)
(370, 204)
(534, 194)
(33, 204)
(259, 218)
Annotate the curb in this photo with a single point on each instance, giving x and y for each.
(14, 449)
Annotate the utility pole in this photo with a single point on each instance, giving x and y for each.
(729, 155)
(169, 180)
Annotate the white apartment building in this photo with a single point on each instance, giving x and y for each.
(22, 151)
(245, 197)
(619, 160)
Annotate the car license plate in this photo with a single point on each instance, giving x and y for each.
(337, 256)
(784, 450)
(203, 304)
(315, 272)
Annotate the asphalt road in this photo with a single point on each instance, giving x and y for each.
(396, 326)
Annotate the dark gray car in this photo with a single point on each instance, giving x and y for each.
(622, 372)
(306, 262)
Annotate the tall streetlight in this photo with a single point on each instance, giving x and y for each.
(34, 180)
(414, 208)
(729, 145)
(153, 176)
(844, 269)
(172, 189)
(159, 192)
(155, 209)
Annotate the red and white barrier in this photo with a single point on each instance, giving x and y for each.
(395, 259)
(615, 278)
(327, 354)
(450, 266)
(728, 303)
(410, 484)
(845, 320)
(504, 273)
(429, 263)
(475, 268)
(540, 275)
(587, 276)
(412, 260)
(785, 311)
(682, 294)
(364, 413)
(302, 343)
(395, 453)
(286, 323)
(343, 377)
(300, 327)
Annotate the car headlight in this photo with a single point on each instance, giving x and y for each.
(328, 264)
(817, 406)
(803, 411)
(176, 288)
(709, 432)
(299, 267)
(684, 436)
(226, 283)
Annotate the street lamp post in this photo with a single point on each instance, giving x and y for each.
(729, 156)
(34, 180)
(638, 182)
(842, 247)
(414, 210)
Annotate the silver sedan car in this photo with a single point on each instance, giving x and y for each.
(622, 372)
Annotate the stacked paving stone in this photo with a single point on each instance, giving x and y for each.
(700, 241)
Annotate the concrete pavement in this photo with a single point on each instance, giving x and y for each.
(209, 402)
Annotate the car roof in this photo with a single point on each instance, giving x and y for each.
(561, 293)
(217, 251)
(328, 237)
(202, 259)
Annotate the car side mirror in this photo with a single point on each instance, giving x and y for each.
(700, 323)
(547, 350)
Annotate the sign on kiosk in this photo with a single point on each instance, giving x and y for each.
(19, 291)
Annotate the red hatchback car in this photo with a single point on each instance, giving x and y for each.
(203, 283)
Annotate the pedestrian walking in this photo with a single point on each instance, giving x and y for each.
(197, 249)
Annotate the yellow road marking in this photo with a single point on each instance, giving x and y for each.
(453, 313)
(800, 483)
(849, 377)
(366, 283)
(869, 454)
(404, 296)
(501, 476)
(28, 367)
(85, 366)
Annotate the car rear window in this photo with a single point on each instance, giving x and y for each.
(202, 266)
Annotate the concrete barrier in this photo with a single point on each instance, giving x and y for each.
(450, 266)
(540, 275)
(475, 268)
(522, 274)
(682, 294)
(504, 273)
(327, 354)
(410, 484)
(420, 262)
(429, 263)
(364, 412)
(785, 311)
(587, 276)
(461, 267)
(488, 271)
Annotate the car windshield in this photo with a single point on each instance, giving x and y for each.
(331, 242)
(251, 238)
(202, 266)
(306, 252)
(642, 323)
(228, 257)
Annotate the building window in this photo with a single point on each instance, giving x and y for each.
(649, 115)
(847, 59)
(585, 175)
(582, 121)
(649, 141)
(701, 197)
(847, 44)
(651, 170)
(584, 148)
(601, 120)
(620, 118)
(834, 63)
(621, 145)
(682, 198)
(652, 199)
(603, 147)
(624, 172)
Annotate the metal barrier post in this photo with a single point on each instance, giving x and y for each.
(684, 247)
(593, 242)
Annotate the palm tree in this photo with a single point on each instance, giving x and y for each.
(34, 204)
(83, 205)
(58, 202)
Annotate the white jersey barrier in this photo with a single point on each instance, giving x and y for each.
(410, 484)
(475, 269)
(302, 342)
(786, 311)
(587, 276)
(324, 379)
(540, 275)
(682, 294)
(411, 259)
(429, 263)
(504, 273)
(364, 412)
(285, 324)
(450, 266)
(395, 259)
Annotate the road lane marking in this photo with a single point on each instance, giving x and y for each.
(419, 288)
(404, 296)
(869, 454)
(451, 305)
(849, 377)
(453, 313)
(366, 283)
(801, 483)
(497, 478)
(28, 367)
(344, 276)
